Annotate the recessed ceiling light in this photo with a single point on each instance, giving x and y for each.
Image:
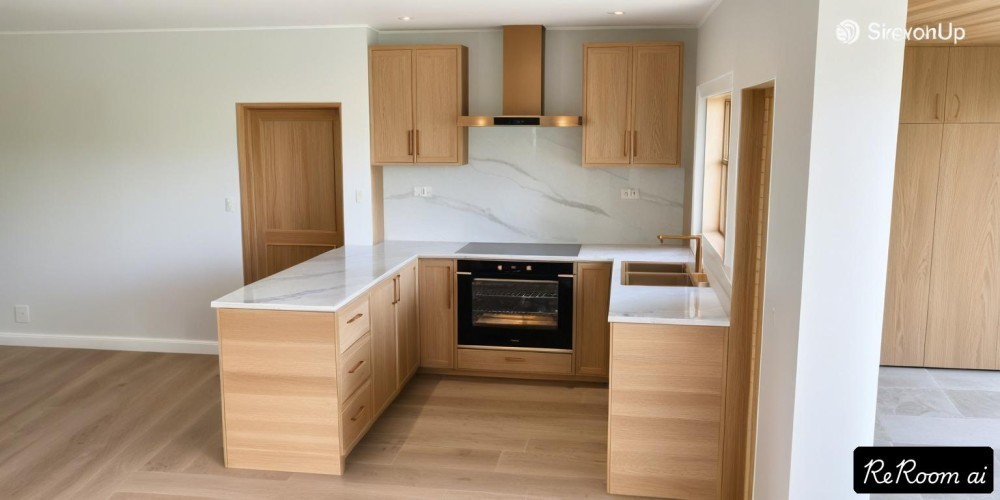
(404, 18)
(617, 13)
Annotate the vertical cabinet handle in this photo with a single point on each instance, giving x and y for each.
(625, 145)
(635, 144)
(395, 290)
(416, 141)
(958, 105)
(409, 142)
(447, 289)
(937, 106)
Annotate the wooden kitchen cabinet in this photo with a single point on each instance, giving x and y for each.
(437, 313)
(963, 329)
(925, 85)
(666, 393)
(632, 104)
(593, 337)
(973, 92)
(416, 95)
(407, 329)
(911, 242)
(385, 379)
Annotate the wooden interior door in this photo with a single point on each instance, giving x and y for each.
(914, 198)
(746, 316)
(656, 87)
(925, 85)
(436, 91)
(290, 173)
(383, 328)
(606, 139)
(408, 342)
(391, 105)
(964, 319)
(973, 91)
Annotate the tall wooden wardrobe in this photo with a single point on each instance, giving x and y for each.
(942, 306)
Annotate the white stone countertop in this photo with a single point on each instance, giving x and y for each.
(329, 281)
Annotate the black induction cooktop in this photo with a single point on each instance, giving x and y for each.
(540, 249)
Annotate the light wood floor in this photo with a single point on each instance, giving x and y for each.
(105, 424)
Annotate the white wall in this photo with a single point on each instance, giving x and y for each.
(831, 183)
(117, 151)
(527, 184)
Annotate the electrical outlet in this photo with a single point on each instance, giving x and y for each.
(422, 191)
(22, 314)
(229, 204)
(630, 194)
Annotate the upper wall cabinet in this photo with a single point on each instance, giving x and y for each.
(973, 89)
(925, 84)
(632, 104)
(417, 94)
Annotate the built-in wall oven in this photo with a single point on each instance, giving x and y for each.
(515, 304)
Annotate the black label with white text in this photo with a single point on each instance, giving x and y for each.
(923, 469)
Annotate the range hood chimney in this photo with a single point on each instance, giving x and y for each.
(523, 83)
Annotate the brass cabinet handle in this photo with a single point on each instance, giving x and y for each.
(513, 359)
(409, 142)
(447, 289)
(358, 414)
(937, 106)
(625, 145)
(416, 141)
(635, 144)
(352, 370)
(395, 290)
(958, 105)
(355, 318)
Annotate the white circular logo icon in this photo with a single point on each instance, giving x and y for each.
(848, 31)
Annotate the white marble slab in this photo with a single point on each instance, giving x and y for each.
(328, 282)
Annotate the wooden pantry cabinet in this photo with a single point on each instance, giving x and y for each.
(632, 104)
(416, 95)
(942, 306)
(593, 335)
(437, 313)
(395, 338)
(666, 410)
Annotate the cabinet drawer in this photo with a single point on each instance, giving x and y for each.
(356, 416)
(355, 367)
(514, 361)
(353, 322)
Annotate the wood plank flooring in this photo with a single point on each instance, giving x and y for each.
(86, 424)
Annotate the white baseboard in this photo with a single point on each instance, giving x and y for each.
(110, 343)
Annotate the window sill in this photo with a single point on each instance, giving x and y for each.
(717, 241)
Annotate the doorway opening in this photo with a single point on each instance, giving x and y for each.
(743, 349)
(290, 184)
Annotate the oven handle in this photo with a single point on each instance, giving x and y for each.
(463, 273)
(570, 276)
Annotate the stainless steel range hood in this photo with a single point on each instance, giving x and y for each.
(523, 83)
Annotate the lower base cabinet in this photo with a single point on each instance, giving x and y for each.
(665, 411)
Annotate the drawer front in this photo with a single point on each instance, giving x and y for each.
(356, 416)
(514, 361)
(353, 322)
(355, 367)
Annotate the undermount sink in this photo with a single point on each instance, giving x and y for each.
(661, 274)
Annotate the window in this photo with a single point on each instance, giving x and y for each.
(716, 190)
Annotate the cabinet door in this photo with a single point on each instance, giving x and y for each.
(438, 91)
(656, 91)
(925, 82)
(383, 324)
(973, 92)
(593, 295)
(964, 318)
(407, 341)
(606, 118)
(908, 281)
(437, 313)
(391, 94)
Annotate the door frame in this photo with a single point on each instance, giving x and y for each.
(245, 157)
(756, 141)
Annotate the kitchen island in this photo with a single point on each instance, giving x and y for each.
(311, 356)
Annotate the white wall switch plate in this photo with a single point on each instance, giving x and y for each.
(422, 191)
(630, 194)
(229, 204)
(22, 314)
(358, 196)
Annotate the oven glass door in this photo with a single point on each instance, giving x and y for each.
(504, 303)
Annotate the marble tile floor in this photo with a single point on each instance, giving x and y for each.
(937, 407)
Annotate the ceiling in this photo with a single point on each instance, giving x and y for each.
(84, 15)
(980, 18)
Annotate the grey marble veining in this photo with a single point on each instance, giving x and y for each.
(526, 184)
(331, 280)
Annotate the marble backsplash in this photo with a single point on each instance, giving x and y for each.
(526, 184)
